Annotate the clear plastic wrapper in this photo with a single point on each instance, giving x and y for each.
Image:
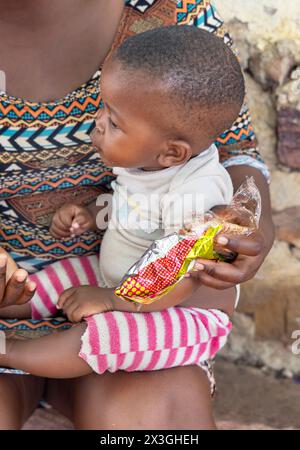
(167, 260)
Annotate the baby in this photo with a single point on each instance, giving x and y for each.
(163, 150)
(167, 95)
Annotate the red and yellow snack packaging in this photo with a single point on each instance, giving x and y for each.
(167, 260)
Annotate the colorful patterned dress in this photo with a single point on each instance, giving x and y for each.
(47, 159)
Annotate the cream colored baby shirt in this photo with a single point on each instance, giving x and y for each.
(148, 205)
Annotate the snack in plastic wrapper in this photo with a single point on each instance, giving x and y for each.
(167, 260)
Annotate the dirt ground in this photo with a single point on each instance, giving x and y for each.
(249, 399)
(246, 399)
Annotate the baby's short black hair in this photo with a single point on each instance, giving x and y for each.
(201, 74)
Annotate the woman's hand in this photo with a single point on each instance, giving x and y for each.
(15, 289)
(222, 275)
(71, 220)
(84, 301)
(251, 251)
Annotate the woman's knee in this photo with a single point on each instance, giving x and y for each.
(176, 398)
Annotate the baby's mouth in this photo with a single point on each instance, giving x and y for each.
(94, 140)
(99, 149)
(101, 154)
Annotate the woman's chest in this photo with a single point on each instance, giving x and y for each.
(47, 62)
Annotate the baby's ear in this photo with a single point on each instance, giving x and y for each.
(176, 152)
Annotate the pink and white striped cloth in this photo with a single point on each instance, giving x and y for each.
(153, 341)
(59, 276)
(127, 341)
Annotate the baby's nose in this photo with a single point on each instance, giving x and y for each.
(99, 127)
(95, 137)
(100, 122)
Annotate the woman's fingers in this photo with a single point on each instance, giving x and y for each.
(222, 275)
(251, 245)
(28, 293)
(212, 282)
(14, 288)
(3, 264)
(17, 290)
(237, 272)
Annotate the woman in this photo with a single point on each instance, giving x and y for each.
(50, 52)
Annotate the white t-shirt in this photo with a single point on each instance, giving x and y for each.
(148, 205)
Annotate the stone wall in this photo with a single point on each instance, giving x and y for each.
(267, 35)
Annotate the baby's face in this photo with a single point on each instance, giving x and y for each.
(125, 134)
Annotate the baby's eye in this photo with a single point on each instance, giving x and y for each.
(112, 123)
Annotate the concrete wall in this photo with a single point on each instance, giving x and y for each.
(267, 35)
(268, 20)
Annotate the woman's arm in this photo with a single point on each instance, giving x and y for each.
(239, 154)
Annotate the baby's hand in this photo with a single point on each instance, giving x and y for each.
(71, 220)
(83, 301)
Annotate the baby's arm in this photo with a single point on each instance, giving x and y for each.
(187, 293)
(84, 301)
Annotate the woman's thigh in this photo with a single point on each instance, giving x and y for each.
(177, 398)
(19, 396)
